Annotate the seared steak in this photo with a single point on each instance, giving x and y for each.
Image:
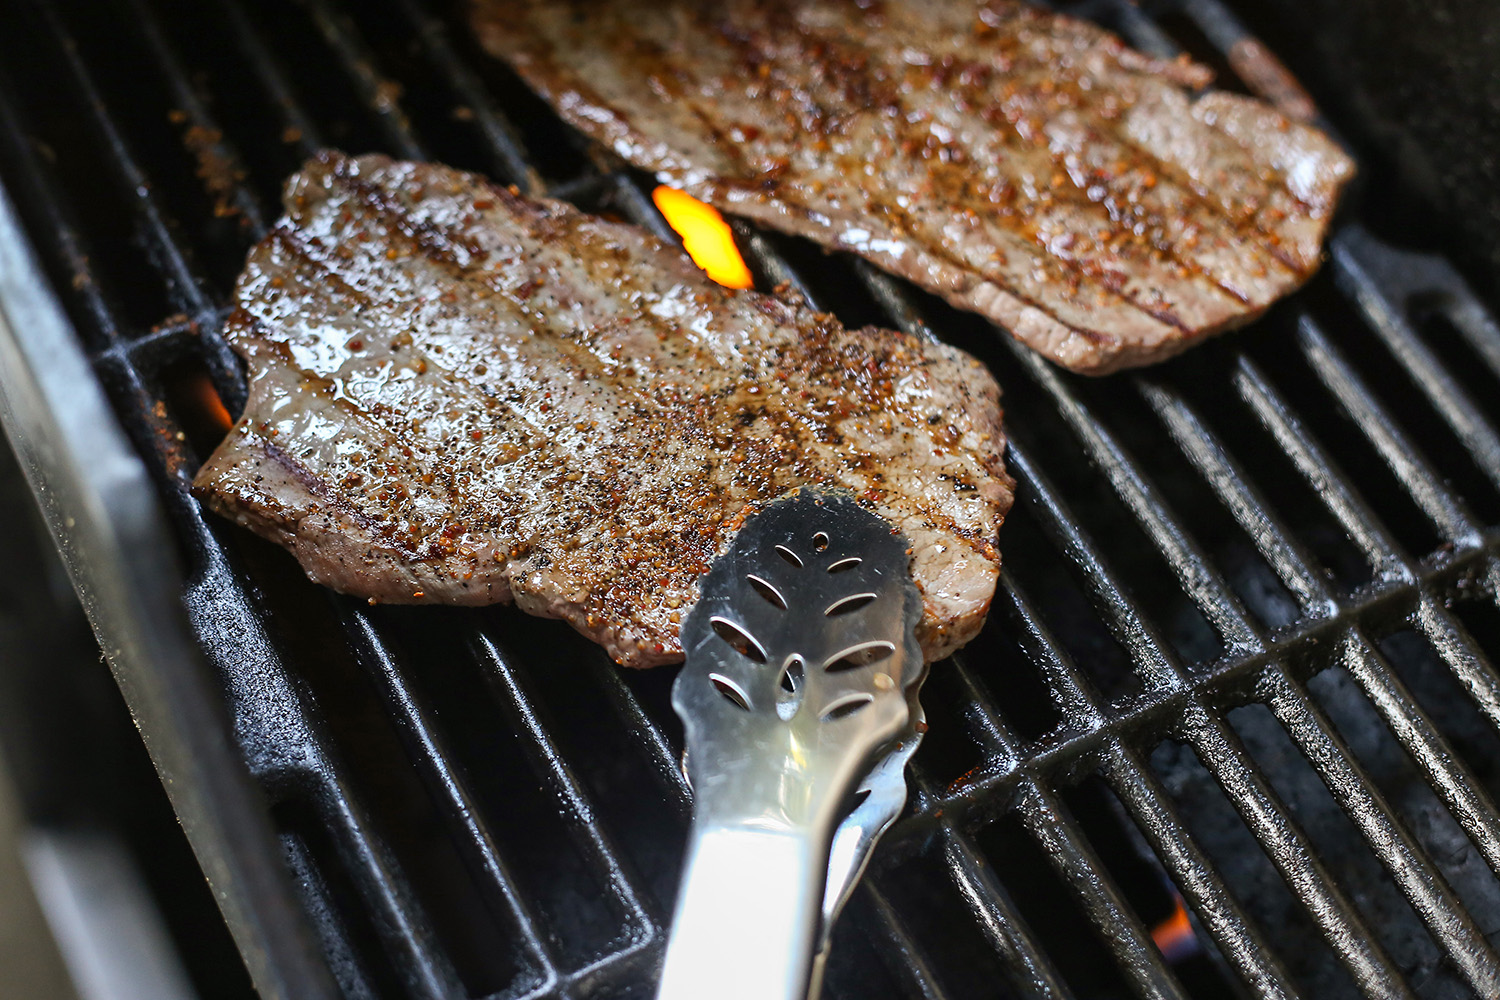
(459, 395)
(1018, 163)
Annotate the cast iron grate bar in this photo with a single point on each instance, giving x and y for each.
(188, 102)
(1441, 388)
(1153, 812)
(185, 285)
(1019, 777)
(62, 229)
(1221, 752)
(296, 123)
(1408, 864)
(441, 774)
(1443, 767)
(1438, 503)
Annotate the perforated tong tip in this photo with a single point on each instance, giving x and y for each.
(799, 693)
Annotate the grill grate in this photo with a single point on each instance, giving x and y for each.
(1242, 606)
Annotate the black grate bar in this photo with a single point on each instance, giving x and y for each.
(1150, 807)
(60, 223)
(184, 285)
(636, 204)
(1075, 696)
(308, 137)
(1409, 864)
(1226, 759)
(1411, 469)
(1219, 749)
(1461, 653)
(664, 760)
(1352, 513)
(187, 100)
(1232, 930)
(1193, 568)
(1049, 822)
(1442, 390)
(901, 952)
(1052, 825)
(444, 781)
(1281, 549)
(1137, 27)
(578, 812)
(1475, 325)
(1236, 937)
(380, 94)
(509, 151)
(1139, 637)
(1318, 468)
(778, 273)
(1459, 788)
(1034, 974)
(416, 956)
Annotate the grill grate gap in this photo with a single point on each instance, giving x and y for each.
(351, 944)
(1337, 841)
(1249, 874)
(1154, 900)
(1048, 904)
(1403, 784)
(964, 961)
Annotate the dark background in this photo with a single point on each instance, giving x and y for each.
(1416, 85)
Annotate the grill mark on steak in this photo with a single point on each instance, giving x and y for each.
(460, 395)
(437, 242)
(1019, 163)
(859, 50)
(814, 48)
(316, 488)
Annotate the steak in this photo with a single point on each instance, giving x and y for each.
(1021, 164)
(460, 395)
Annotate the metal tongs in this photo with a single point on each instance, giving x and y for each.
(799, 697)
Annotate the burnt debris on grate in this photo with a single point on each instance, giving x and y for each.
(1232, 727)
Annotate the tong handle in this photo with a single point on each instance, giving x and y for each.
(747, 916)
(802, 666)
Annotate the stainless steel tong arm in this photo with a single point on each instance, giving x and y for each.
(802, 667)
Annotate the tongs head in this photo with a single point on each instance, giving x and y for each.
(799, 698)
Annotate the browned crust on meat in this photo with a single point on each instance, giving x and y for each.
(460, 395)
(1021, 164)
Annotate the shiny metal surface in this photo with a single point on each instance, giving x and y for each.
(802, 671)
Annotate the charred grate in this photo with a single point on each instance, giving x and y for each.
(1234, 728)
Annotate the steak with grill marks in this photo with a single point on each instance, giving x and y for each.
(460, 395)
(1022, 164)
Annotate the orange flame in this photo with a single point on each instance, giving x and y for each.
(705, 236)
(1174, 937)
(207, 398)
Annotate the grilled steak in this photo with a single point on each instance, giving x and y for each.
(1021, 164)
(459, 395)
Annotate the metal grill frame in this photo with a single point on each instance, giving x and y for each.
(115, 505)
